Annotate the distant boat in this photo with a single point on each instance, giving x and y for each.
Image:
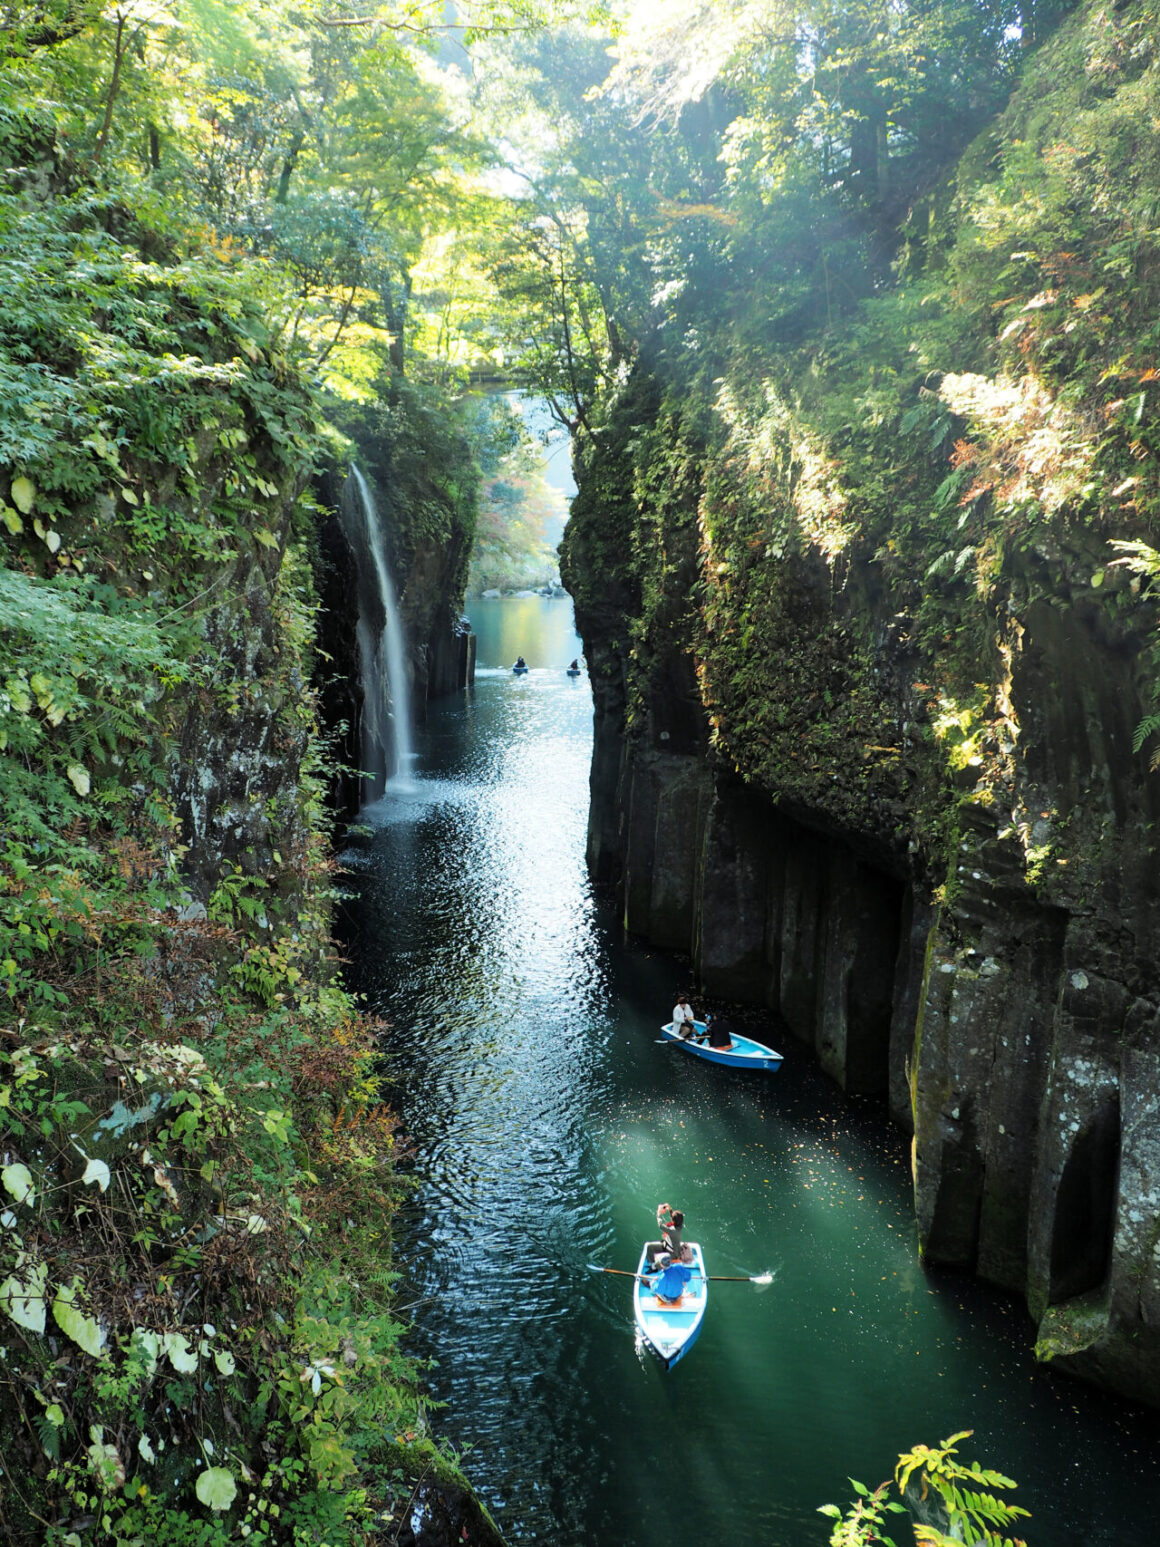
(519, 669)
(744, 1054)
(573, 671)
(670, 1330)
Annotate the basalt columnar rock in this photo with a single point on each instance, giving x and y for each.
(867, 678)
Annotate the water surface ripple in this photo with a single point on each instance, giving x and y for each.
(547, 1124)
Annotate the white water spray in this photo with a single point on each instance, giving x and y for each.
(386, 734)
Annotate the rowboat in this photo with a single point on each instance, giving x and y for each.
(670, 1330)
(572, 671)
(519, 670)
(744, 1054)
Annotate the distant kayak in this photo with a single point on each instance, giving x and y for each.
(744, 1054)
(670, 1328)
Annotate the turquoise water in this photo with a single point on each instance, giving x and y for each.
(547, 1124)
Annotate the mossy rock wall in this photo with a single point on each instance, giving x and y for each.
(198, 1182)
(867, 680)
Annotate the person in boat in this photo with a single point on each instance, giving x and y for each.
(684, 1020)
(520, 662)
(718, 1033)
(575, 664)
(670, 1284)
(671, 1223)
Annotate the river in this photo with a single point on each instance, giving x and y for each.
(547, 1124)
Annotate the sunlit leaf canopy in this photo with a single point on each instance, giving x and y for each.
(700, 164)
(334, 142)
(528, 189)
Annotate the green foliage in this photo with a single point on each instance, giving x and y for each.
(864, 1521)
(423, 468)
(82, 679)
(1143, 561)
(932, 1481)
(511, 549)
(842, 502)
(188, 1109)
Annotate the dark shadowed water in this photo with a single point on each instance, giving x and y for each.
(548, 1124)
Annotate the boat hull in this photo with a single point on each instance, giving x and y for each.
(669, 1331)
(744, 1054)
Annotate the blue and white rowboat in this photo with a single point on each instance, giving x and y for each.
(670, 1330)
(744, 1054)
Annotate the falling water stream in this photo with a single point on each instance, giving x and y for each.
(386, 735)
(547, 1124)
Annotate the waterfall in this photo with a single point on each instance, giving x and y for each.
(386, 734)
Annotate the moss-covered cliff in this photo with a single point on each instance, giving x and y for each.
(868, 673)
(197, 1176)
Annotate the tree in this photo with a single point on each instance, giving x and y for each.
(515, 501)
(44, 24)
(734, 163)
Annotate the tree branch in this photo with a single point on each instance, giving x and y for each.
(341, 324)
(78, 15)
(114, 84)
(569, 353)
(428, 27)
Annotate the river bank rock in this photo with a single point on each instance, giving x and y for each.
(196, 1159)
(441, 1514)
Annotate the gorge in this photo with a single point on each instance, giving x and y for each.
(850, 312)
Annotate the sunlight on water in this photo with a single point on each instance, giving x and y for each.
(547, 1124)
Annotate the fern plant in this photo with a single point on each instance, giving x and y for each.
(960, 1495)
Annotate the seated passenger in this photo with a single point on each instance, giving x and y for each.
(684, 1020)
(671, 1247)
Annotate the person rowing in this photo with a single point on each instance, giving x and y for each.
(718, 1033)
(670, 1284)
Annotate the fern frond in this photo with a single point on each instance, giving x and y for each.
(49, 1435)
(1148, 726)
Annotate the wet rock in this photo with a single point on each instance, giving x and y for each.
(442, 1515)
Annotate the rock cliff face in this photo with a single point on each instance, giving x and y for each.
(1011, 1021)
(181, 1072)
(865, 709)
(236, 774)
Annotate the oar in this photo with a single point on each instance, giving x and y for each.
(714, 1278)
